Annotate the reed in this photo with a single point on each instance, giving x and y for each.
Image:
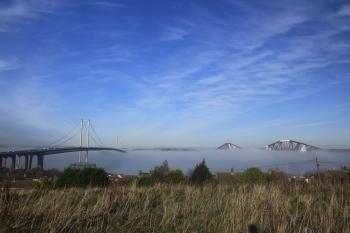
(179, 208)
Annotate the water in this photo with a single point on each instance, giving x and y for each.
(135, 160)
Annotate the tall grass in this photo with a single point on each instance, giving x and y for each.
(179, 208)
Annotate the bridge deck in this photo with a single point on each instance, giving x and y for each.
(50, 151)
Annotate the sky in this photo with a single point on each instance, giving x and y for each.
(176, 73)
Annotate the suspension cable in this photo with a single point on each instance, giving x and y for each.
(76, 133)
(94, 131)
(61, 138)
(95, 141)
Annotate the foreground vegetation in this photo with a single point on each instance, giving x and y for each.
(179, 208)
(165, 200)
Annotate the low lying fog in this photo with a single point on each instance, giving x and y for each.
(218, 160)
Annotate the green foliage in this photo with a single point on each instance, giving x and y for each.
(159, 173)
(175, 176)
(252, 176)
(76, 177)
(201, 173)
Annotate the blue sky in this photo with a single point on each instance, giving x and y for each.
(176, 73)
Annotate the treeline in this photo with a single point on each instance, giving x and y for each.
(199, 175)
(92, 177)
(163, 174)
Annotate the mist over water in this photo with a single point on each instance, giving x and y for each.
(135, 160)
(218, 160)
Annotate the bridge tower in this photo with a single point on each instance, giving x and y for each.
(84, 129)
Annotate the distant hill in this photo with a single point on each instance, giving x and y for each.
(228, 146)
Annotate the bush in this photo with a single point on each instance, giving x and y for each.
(75, 177)
(252, 176)
(201, 173)
(175, 176)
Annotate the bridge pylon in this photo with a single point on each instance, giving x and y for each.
(84, 133)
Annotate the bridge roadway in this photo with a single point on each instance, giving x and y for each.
(28, 155)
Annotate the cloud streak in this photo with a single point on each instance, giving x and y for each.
(18, 11)
(253, 76)
(108, 4)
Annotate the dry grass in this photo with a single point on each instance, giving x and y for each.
(181, 208)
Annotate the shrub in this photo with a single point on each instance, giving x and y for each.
(75, 177)
(201, 173)
(252, 176)
(175, 176)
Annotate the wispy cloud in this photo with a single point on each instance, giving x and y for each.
(344, 10)
(174, 33)
(212, 87)
(17, 11)
(111, 4)
(9, 64)
(4, 65)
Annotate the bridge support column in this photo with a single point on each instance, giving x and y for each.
(18, 161)
(1, 162)
(40, 161)
(26, 162)
(13, 162)
(30, 159)
(4, 162)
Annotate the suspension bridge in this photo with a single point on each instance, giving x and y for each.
(89, 141)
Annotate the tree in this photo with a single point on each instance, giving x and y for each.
(201, 173)
(159, 173)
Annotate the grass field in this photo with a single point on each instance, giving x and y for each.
(179, 208)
